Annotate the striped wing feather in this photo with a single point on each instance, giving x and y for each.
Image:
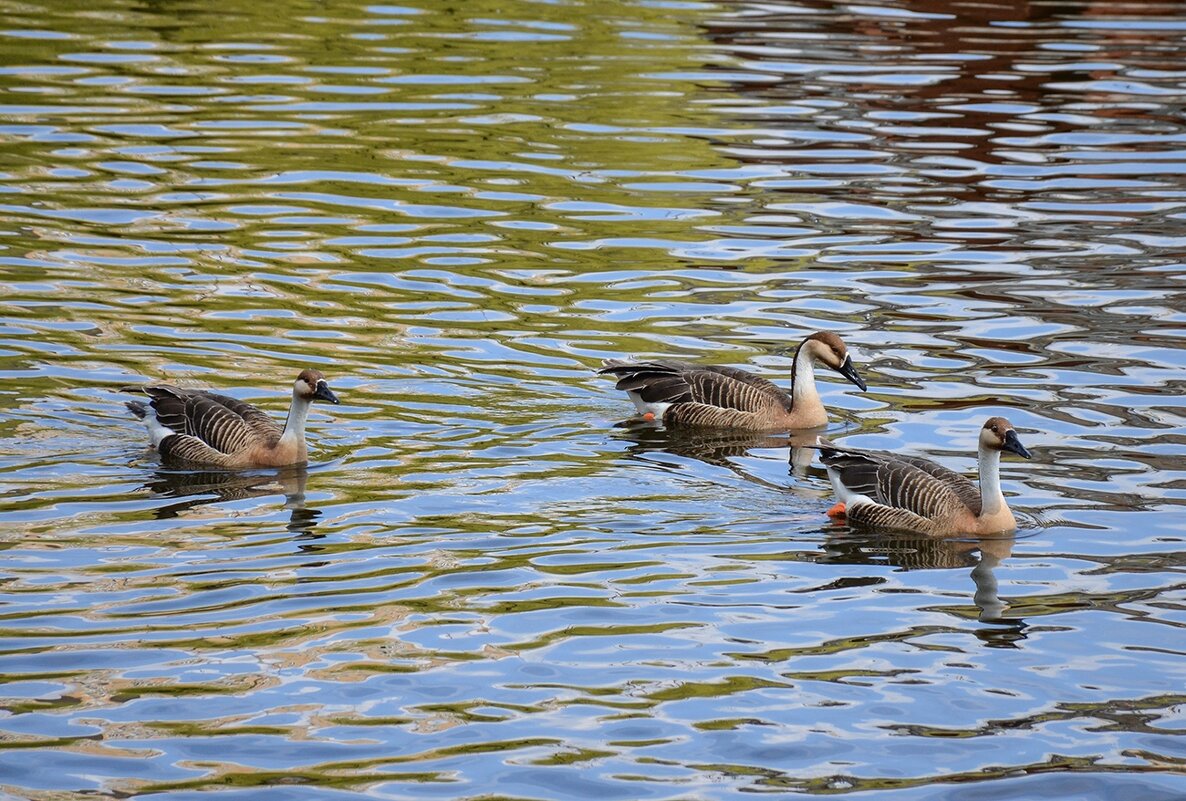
(262, 426)
(914, 490)
(169, 405)
(707, 416)
(965, 489)
(222, 423)
(187, 448)
(886, 517)
(716, 388)
(655, 382)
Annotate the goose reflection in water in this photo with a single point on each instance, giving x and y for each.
(910, 551)
(919, 552)
(201, 487)
(718, 447)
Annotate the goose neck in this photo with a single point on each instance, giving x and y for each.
(298, 413)
(803, 391)
(991, 499)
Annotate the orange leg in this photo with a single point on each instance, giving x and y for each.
(837, 511)
(649, 416)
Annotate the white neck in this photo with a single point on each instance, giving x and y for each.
(298, 412)
(991, 499)
(803, 388)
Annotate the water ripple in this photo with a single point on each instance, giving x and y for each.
(488, 577)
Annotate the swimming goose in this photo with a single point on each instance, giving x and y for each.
(885, 490)
(685, 394)
(202, 427)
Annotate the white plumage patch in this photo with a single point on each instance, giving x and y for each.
(643, 407)
(156, 431)
(845, 495)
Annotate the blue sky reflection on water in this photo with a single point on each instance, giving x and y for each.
(490, 582)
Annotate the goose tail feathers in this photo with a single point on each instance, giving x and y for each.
(138, 408)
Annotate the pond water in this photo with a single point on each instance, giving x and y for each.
(490, 582)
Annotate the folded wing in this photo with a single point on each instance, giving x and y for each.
(222, 423)
(903, 489)
(713, 395)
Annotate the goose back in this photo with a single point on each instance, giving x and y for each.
(963, 487)
(211, 428)
(904, 492)
(702, 395)
(222, 422)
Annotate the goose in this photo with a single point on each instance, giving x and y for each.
(686, 394)
(886, 490)
(198, 426)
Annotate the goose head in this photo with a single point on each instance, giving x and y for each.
(998, 434)
(828, 349)
(311, 386)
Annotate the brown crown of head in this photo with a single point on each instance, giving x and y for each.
(830, 342)
(997, 427)
(310, 376)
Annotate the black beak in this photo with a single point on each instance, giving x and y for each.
(848, 371)
(1013, 444)
(321, 392)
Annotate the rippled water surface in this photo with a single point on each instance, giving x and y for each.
(490, 582)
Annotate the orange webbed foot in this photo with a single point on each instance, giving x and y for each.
(649, 416)
(837, 511)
